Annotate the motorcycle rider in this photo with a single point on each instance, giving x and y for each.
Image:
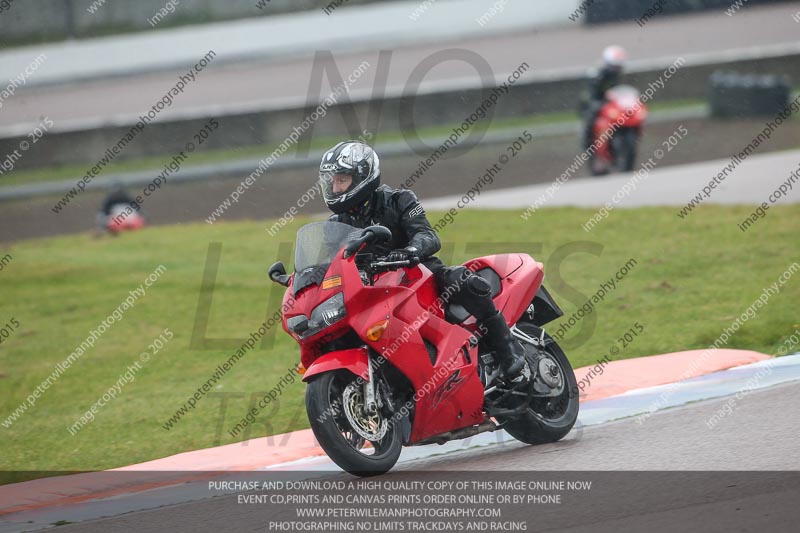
(350, 180)
(117, 196)
(600, 81)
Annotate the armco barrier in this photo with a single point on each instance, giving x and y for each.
(271, 126)
(616, 10)
(733, 95)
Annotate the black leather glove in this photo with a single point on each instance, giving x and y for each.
(408, 253)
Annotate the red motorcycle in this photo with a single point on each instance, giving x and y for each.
(122, 219)
(627, 114)
(390, 363)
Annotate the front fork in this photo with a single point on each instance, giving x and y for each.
(370, 404)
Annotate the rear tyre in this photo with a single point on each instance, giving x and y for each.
(546, 419)
(335, 408)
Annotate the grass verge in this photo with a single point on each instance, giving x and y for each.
(690, 281)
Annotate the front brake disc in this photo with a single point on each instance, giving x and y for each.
(372, 427)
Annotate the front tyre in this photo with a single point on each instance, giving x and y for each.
(546, 419)
(599, 166)
(628, 142)
(335, 407)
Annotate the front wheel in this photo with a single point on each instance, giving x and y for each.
(336, 411)
(627, 141)
(598, 165)
(546, 419)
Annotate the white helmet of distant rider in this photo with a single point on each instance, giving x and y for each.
(614, 58)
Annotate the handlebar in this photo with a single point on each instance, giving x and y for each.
(382, 263)
(386, 264)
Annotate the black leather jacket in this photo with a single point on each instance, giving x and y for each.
(115, 197)
(599, 81)
(400, 211)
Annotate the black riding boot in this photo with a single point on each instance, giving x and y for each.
(508, 350)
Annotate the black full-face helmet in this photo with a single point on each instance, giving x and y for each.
(355, 159)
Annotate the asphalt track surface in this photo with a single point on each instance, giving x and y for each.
(668, 475)
(269, 85)
(753, 182)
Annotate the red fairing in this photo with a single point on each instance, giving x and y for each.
(448, 393)
(623, 109)
(624, 106)
(354, 360)
(521, 278)
(130, 223)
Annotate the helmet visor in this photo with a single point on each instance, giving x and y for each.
(336, 186)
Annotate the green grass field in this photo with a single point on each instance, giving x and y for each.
(691, 280)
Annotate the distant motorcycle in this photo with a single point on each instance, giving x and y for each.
(390, 364)
(618, 154)
(118, 221)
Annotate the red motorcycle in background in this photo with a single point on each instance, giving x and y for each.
(618, 153)
(390, 363)
(121, 219)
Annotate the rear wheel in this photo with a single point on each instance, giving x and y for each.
(336, 410)
(546, 419)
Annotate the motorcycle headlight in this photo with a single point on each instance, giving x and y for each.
(326, 314)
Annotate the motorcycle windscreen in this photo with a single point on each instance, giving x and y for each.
(625, 96)
(316, 248)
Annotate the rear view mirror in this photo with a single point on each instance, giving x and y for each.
(277, 273)
(379, 234)
(370, 235)
(353, 246)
